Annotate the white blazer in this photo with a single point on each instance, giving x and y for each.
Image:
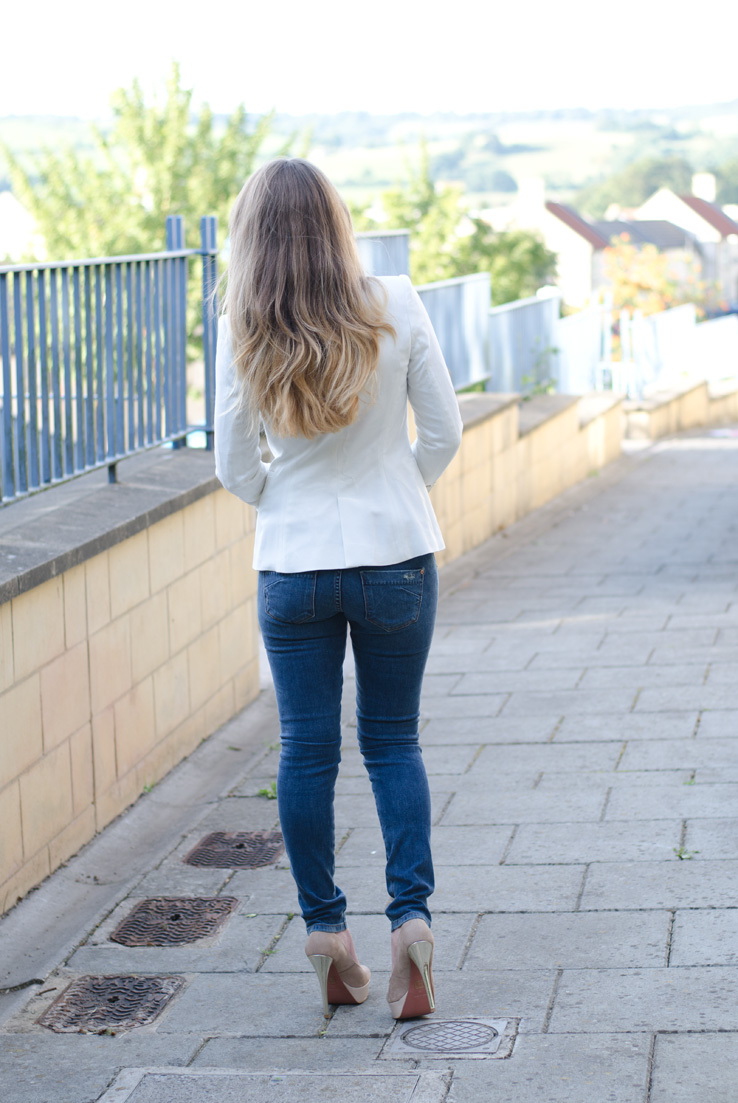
(358, 497)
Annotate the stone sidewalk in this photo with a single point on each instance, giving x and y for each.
(580, 732)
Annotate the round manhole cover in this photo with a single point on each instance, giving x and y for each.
(454, 1036)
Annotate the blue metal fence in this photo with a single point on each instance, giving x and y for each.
(93, 363)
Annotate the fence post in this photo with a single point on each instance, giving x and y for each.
(209, 248)
(175, 373)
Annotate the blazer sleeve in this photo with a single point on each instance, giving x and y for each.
(431, 395)
(238, 462)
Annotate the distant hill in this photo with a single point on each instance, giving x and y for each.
(484, 153)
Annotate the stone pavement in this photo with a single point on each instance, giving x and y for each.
(580, 724)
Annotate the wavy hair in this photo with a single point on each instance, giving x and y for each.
(305, 320)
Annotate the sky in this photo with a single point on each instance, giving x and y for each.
(322, 56)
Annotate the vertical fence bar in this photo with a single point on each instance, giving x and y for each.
(182, 331)
(100, 346)
(43, 346)
(90, 372)
(57, 434)
(6, 453)
(149, 355)
(21, 438)
(34, 480)
(158, 367)
(130, 334)
(79, 390)
(68, 397)
(140, 268)
(109, 366)
(208, 244)
(120, 404)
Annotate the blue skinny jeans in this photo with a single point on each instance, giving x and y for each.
(390, 612)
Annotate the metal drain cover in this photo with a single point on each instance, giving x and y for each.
(453, 1038)
(93, 1005)
(173, 920)
(237, 849)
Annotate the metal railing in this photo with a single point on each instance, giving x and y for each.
(522, 343)
(385, 253)
(458, 309)
(93, 360)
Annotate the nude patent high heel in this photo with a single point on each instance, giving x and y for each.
(411, 992)
(342, 980)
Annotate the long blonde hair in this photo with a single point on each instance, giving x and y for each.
(305, 319)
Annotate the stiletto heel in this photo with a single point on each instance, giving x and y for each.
(411, 990)
(421, 953)
(321, 963)
(334, 961)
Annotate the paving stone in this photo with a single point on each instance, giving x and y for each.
(609, 654)
(687, 697)
(665, 725)
(506, 888)
(712, 839)
(723, 673)
(622, 779)
(666, 655)
(580, 940)
(174, 878)
(685, 753)
(495, 994)
(591, 1001)
(253, 1005)
(73, 1068)
(515, 681)
(529, 729)
(561, 843)
(452, 846)
(715, 724)
(265, 891)
(448, 708)
(603, 677)
(552, 757)
(668, 884)
(464, 662)
(544, 1069)
(286, 1054)
(705, 937)
(576, 702)
(689, 1067)
(491, 806)
(438, 685)
(666, 802)
(371, 934)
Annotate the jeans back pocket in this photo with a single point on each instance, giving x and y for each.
(392, 599)
(289, 598)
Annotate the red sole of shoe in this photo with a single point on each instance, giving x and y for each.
(416, 1001)
(337, 990)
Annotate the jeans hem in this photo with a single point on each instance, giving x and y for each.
(332, 928)
(410, 915)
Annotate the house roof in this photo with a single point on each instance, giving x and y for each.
(714, 215)
(575, 222)
(651, 231)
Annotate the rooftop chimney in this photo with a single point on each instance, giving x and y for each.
(704, 186)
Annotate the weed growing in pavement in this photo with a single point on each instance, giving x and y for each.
(270, 791)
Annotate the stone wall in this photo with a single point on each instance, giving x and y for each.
(112, 671)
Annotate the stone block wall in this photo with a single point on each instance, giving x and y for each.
(113, 671)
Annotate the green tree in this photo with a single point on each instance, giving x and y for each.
(727, 181)
(432, 213)
(517, 260)
(156, 160)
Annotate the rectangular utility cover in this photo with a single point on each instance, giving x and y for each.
(236, 1086)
